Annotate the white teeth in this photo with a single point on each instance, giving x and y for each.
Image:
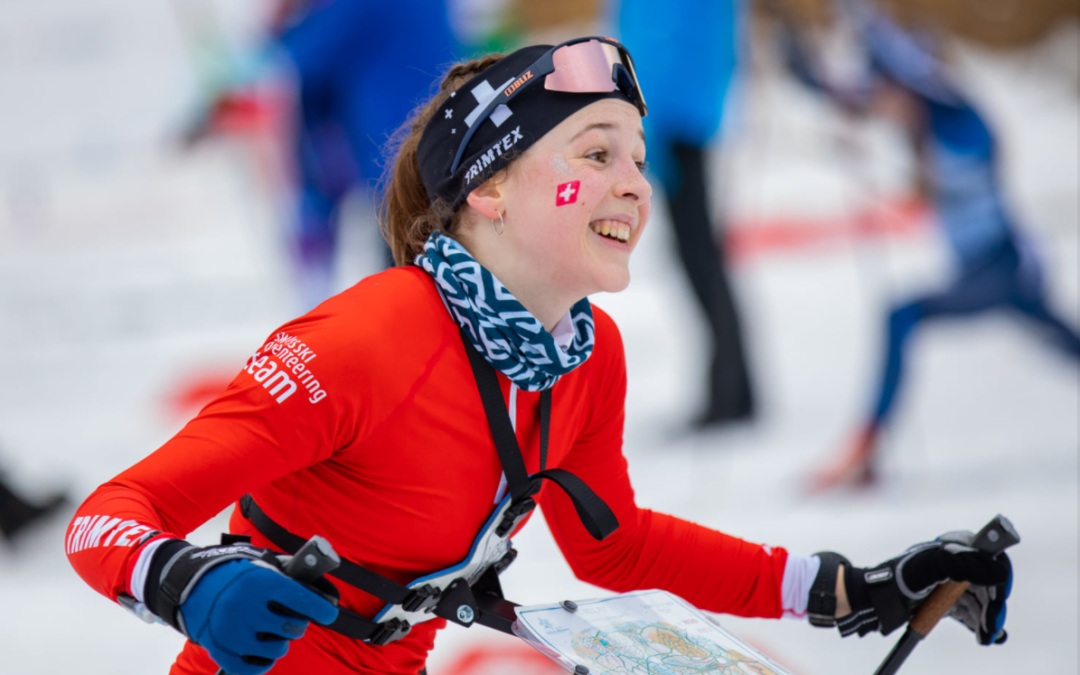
(613, 229)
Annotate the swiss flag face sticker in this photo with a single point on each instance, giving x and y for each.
(567, 193)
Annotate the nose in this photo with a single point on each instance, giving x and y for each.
(632, 184)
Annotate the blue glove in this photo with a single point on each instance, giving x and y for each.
(245, 614)
(235, 601)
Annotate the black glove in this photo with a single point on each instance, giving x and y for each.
(885, 597)
(982, 608)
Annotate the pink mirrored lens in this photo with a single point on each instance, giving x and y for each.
(584, 67)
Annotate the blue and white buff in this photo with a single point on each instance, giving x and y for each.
(512, 340)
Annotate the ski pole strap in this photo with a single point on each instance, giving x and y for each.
(595, 515)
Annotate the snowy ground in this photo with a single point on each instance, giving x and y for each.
(125, 269)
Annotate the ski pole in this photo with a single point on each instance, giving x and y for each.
(998, 535)
(314, 559)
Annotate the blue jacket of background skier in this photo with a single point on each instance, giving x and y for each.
(685, 54)
(362, 66)
(960, 149)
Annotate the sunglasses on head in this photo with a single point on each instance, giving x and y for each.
(589, 65)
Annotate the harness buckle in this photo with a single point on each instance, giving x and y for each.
(422, 599)
(515, 513)
(502, 563)
(390, 631)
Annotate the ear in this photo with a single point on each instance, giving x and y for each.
(488, 199)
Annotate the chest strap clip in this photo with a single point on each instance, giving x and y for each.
(514, 515)
(505, 561)
(389, 631)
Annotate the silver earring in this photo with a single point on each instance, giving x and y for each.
(502, 224)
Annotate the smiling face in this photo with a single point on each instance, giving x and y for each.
(575, 205)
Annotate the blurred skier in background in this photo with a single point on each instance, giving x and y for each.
(996, 266)
(686, 89)
(17, 513)
(357, 68)
(360, 68)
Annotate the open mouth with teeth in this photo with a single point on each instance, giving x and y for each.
(611, 229)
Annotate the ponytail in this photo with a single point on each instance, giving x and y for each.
(406, 216)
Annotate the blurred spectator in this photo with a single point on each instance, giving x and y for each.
(685, 90)
(358, 68)
(16, 513)
(996, 266)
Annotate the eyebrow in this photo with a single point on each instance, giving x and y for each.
(604, 126)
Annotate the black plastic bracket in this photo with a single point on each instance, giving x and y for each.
(458, 604)
(495, 611)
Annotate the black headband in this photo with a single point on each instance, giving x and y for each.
(505, 134)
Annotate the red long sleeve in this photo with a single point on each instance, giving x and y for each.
(712, 570)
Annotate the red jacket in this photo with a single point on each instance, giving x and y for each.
(361, 421)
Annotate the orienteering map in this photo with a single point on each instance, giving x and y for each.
(642, 633)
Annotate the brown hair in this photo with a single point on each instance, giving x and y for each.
(407, 217)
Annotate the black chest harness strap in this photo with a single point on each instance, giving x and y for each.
(475, 597)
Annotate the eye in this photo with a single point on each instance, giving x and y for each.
(598, 156)
(642, 166)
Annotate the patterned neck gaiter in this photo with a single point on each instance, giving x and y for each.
(511, 339)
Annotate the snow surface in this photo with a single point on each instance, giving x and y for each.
(127, 267)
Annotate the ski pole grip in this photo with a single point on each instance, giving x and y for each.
(936, 606)
(314, 559)
(996, 536)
